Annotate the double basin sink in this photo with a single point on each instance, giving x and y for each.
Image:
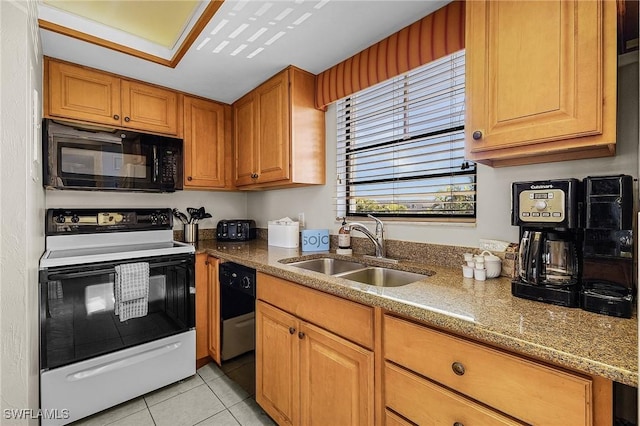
(360, 272)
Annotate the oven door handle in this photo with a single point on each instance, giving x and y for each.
(80, 273)
(123, 363)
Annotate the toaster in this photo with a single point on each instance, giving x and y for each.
(236, 230)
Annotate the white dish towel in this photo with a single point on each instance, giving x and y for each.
(131, 290)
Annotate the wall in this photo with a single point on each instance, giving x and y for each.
(221, 205)
(21, 206)
(494, 204)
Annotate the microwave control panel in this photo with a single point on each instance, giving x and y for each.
(542, 205)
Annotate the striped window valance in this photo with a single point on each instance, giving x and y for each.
(432, 37)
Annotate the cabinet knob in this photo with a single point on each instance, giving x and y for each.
(300, 335)
(292, 330)
(458, 424)
(477, 135)
(189, 178)
(116, 117)
(458, 368)
(254, 175)
(127, 119)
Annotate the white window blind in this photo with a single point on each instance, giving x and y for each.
(400, 146)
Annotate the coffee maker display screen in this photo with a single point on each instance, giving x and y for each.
(542, 205)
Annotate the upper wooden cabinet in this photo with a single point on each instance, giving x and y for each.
(279, 134)
(540, 81)
(79, 93)
(207, 144)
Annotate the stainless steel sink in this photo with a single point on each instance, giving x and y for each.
(383, 277)
(328, 265)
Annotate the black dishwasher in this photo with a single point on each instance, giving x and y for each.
(237, 309)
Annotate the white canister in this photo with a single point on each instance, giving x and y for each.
(492, 264)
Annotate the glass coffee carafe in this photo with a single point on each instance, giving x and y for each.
(548, 258)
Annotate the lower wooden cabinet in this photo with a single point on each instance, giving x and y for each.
(213, 340)
(531, 392)
(305, 374)
(202, 307)
(207, 309)
(426, 403)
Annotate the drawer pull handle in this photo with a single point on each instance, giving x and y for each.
(116, 117)
(292, 330)
(458, 368)
(127, 119)
(458, 424)
(300, 335)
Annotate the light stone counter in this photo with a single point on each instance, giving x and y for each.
(484, 311)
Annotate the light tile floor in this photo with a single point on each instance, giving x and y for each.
(213, 397)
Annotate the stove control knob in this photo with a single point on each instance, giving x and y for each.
(75, 219)
(60, 218)
(541, 205)
(154, 218)
(246, 283)
(164, 219)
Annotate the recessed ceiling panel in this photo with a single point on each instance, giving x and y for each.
(161, 22)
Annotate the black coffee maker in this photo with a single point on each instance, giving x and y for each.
(549, 258)
(608, 285)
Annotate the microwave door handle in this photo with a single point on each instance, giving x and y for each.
(156, 165)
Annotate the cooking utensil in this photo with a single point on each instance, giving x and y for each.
(193, 213)
(179, 215)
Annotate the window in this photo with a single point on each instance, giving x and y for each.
(401, 146)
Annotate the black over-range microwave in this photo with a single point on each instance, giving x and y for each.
(77, 157)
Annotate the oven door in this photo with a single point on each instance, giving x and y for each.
(77, 318)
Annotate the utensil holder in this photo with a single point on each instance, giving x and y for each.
(191, 233)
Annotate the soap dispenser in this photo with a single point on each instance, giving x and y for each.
(344, 238)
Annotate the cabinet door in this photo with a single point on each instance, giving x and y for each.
(277, 363)
(536, 74)
(273, 142)
(202, 306)
(149, 108)
(82, 94)
(245, 117)
(336, 380)
(213, 347)
(204, 144)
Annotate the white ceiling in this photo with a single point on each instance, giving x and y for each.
(310, 34)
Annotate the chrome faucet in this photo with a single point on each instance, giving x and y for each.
(377, 239)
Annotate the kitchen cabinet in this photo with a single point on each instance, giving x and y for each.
(306, 373)
(511, 388)
(207, 144)
(202, 308)
(79, 93)
(213, 342)
(540, 81)
(279, 134)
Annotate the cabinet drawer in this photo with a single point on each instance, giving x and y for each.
(392, 419)
(350, 320)
(424, 402)
(529, 391)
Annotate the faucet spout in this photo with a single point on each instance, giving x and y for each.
(377, 239)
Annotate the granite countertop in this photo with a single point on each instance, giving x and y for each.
(485, 311)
